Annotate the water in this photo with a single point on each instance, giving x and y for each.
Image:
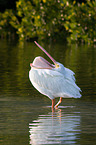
(65, 126)
(26, 116)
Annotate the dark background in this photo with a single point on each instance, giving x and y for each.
(11, 4)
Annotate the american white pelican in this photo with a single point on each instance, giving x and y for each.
(53, 80)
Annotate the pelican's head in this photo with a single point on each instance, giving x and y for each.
(41, 63)
(59, 67)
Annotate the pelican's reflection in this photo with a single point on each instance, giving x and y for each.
(55, 128)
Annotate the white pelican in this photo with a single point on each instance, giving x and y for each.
(53, 80)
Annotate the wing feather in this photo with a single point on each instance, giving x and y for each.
(53, 83)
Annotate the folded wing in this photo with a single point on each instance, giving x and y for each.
(54, 84)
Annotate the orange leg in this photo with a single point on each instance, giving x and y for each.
(53, 103)
(58, 102)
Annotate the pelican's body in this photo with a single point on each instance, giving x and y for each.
(53, 80)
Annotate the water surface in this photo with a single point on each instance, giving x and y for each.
(71, 125)
(26, 116)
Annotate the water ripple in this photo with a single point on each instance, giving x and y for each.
(55, 128)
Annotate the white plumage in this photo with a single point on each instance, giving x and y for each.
(53, 80)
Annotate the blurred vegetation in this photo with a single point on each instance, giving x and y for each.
(44, 19)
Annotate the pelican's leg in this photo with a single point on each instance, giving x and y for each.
(53, 103)
(58, 102)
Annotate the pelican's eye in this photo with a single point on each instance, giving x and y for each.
(57, 65)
